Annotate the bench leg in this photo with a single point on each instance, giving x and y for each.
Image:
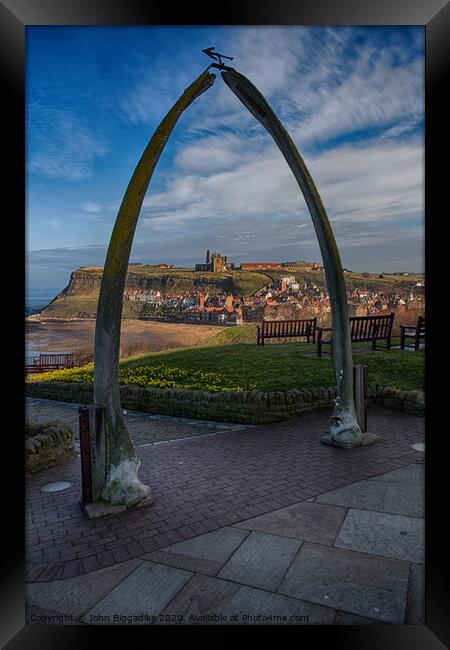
(402, 339)
(388, 344)
(319, 348)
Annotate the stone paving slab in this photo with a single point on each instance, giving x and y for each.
(144, 428)
(392, 497)
(410, 474)
(77, 595)
(209, 600)
(344, 618)
(394, 536)
(203, 554)
(146, 591)
(312, 522)
(415, 605)
(357, 583)
(261, 561)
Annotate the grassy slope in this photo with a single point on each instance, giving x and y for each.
(233, 354)
(67, 307)
(284, 366)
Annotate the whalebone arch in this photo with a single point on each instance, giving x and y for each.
(122, 484)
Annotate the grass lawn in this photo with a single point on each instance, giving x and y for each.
(232, 360)
(285, 366)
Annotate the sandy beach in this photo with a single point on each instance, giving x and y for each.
(137, 336)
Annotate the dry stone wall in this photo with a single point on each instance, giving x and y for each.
(248, 407)
(50, 445)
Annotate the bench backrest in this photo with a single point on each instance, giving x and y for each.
(275, 328)
(366, 328)
(47, 367)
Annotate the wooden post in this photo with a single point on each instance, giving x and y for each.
(360, 391)
(92, 449)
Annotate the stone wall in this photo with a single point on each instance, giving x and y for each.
(249, 407)
(48, 445)
(409, 401)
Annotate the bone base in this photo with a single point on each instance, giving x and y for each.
(367, 439)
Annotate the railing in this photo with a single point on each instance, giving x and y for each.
(47, 362)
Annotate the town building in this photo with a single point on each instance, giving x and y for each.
(213, 315)
(260, 266)
(162, 266)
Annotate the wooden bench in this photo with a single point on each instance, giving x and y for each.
(362, 329)
(48, 362)
(281, 329)
(417, 333)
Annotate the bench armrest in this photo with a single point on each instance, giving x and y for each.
(408, 327)
(325, 329)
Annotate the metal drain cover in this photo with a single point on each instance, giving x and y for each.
(419, 446)
(57, 486)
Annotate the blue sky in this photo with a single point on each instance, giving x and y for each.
(351, 98)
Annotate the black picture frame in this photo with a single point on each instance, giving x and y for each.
(434, 16)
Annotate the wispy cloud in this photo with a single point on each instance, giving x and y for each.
(60, 144)
(322, 85)
(54, 223)
(90, 206)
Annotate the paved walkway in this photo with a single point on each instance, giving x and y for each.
(353, 555)
(212, 483)
(144, 428)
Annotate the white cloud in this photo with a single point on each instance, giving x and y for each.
(382, 182)
(61, 146)
(54, 223)
(90, 206)
(379, 179)
(318, 92)
(373, 95)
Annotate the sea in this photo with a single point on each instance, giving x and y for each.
(35, 301)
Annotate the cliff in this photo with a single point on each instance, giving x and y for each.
(79, 298)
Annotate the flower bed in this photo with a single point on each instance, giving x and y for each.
(159, 376)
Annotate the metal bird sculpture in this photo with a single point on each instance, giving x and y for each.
(209, 51)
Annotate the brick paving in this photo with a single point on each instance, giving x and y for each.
(202, 484)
